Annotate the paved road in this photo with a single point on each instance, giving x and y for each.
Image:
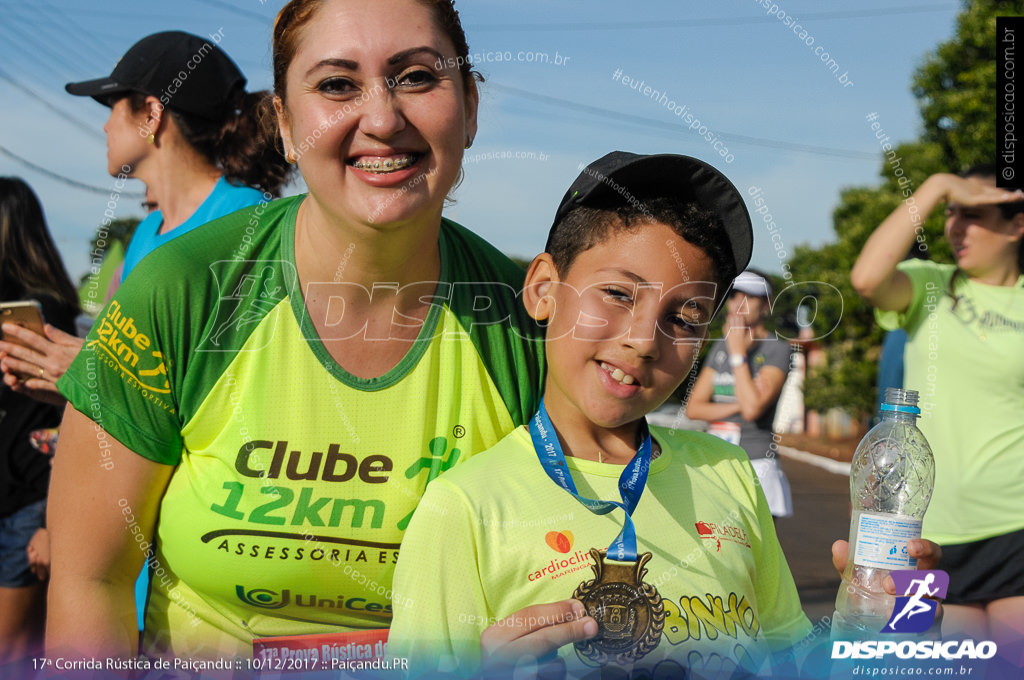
(821, 514)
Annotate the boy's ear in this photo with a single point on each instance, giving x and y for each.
(541, 278)
(1018, 226)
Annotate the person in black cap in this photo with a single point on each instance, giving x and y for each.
(641, 254)
(182, 122)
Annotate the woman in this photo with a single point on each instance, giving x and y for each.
(965, 325)
(739, 387)
(197, 142)
(283, 399)
(30, 268)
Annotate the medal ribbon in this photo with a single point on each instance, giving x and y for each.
(631, 481)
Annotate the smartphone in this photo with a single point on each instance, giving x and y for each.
(26, 313)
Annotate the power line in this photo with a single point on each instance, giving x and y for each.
(80, 33)
(248, 14)
(61, 178)
(45, 33)
(650, 122)
(28, 48)
(142, 16)
(696, 23)
(90, 130)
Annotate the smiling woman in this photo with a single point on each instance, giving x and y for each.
(278, 418)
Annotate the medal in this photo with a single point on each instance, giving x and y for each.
(629, 613)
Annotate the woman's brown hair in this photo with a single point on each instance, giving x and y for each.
(297, 13)
(243, 145)
(29, 261)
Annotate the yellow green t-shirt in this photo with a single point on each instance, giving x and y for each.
(496, 535)
(964, 357)
(294, 480)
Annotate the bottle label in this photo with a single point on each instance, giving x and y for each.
(882, 540)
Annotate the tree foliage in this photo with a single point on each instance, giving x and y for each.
(120, 229)
(955, 90)
(955, 87)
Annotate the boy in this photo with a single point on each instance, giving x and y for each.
(642, 252)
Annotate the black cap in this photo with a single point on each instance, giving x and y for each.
(185, 72)
(629, 177)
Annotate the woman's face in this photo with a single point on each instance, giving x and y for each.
(376, 113)
(749, 308)
(127, 136)
(980, 237)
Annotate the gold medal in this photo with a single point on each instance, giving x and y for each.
(629, 613)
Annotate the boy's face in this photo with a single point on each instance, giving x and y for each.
(624, 325)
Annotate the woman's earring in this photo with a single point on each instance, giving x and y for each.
(151, 138)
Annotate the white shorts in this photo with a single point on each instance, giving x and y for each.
(775, 486)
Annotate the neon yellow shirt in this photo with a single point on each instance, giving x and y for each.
(496, 535)
(966, 363)
(294, 480)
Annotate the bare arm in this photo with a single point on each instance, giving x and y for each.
(700, 407)
(874, 275)
(757, 395)
(98, 489)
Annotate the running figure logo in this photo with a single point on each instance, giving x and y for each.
(435, 464)
(913, 613)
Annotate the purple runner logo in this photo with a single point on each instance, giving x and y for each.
(913, 613)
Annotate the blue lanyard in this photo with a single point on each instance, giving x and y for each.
(631, 482)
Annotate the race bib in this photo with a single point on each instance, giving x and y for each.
(730, 432)
(360, 650)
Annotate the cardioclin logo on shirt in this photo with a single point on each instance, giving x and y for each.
(561, 542)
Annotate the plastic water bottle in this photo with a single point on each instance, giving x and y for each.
(891, 481)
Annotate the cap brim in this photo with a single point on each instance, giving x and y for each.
(753, 291)
(684, 177)
(99, 89)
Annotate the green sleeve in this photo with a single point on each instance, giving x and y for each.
(929, 281)
(439, 607)
(191, 303)
(123, 377)
(783, 621)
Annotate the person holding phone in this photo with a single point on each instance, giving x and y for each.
(30, 268)
(199, 146)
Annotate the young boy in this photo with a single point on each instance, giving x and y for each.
(641, 254)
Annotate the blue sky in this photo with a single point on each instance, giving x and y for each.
(792, 128)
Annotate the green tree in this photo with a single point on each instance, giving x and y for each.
(955, 89)
(120, 229)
